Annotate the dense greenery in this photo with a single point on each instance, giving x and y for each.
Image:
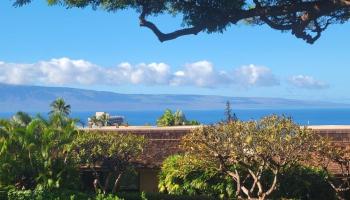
(249, 151)
(306, 19)
(186, 175)
(182, 175)
(36, 151)
(59, 107)
(329, 155)
(174, 119)
(271, 158)
(99, 121)
(40, 158)
(110, 151)
(40, 194)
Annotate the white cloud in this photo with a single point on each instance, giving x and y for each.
(307, 82)
(253, 75)
(201, 74)
(65, 71)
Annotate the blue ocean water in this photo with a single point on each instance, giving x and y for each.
(301, 116)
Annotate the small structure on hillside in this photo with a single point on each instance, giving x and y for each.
(105, 119)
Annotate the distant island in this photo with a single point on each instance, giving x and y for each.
(37, 99)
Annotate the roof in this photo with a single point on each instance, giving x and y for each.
(136, 128)
(165, 141)
(330, 127)
(161, 141)
(140, 128)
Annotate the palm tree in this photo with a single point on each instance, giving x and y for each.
(59, 107)
(94, 121)
(179, 118)
(104, 118)
(21, 119)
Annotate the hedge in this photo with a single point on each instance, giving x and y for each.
(14, 194)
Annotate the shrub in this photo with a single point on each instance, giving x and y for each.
(177, 118)
(39, 194)
(43, 194)
(36, 152)
(181, 176)
(112, 151)
(300, 182)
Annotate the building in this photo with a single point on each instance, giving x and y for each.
(111, 120)
(164, 141)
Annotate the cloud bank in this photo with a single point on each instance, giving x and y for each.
(307, 82)
(65, 71)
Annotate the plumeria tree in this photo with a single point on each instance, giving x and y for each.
(335, 160)
(249, 152)
(111, 151)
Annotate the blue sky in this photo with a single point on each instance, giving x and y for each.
(53, 46)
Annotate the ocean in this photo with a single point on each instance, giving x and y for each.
(301, 116)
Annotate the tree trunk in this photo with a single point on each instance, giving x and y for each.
(96, 182)
(116, 183)
(108, 178)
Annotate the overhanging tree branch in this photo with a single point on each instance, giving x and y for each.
(167, 36)
(312, 11)
(303, 18)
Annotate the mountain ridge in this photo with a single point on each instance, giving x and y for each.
(37, 98)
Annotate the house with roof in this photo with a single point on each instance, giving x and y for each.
(164, 142)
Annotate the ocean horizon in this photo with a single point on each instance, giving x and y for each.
(312, 116)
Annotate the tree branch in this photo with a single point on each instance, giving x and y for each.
(311, 9)
(273, 186)
(167, 36)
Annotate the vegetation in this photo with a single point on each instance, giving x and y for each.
(35, 152)
(174, 119)
(250, 151)
(329, 154)
(302, 182)
(59, 107)
(229, 115)
(184, 175)
(112, 152)
(103, 120)
(40, 158)
(94, 121)
(40, 194)
(305, 19)
(272, 158)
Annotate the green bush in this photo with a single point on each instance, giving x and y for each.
(177, 118)
(300, 182)
(160, 196)
(39, 194)
(37, 152)
(181, 176)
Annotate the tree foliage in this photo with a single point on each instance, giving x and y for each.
(229, 115)
(305, 19)
(335, 161)
(183, 174)
(186, 175)
(108, 151)
(59, 107)
(36, 151)
(250, 151)
(174, 119)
